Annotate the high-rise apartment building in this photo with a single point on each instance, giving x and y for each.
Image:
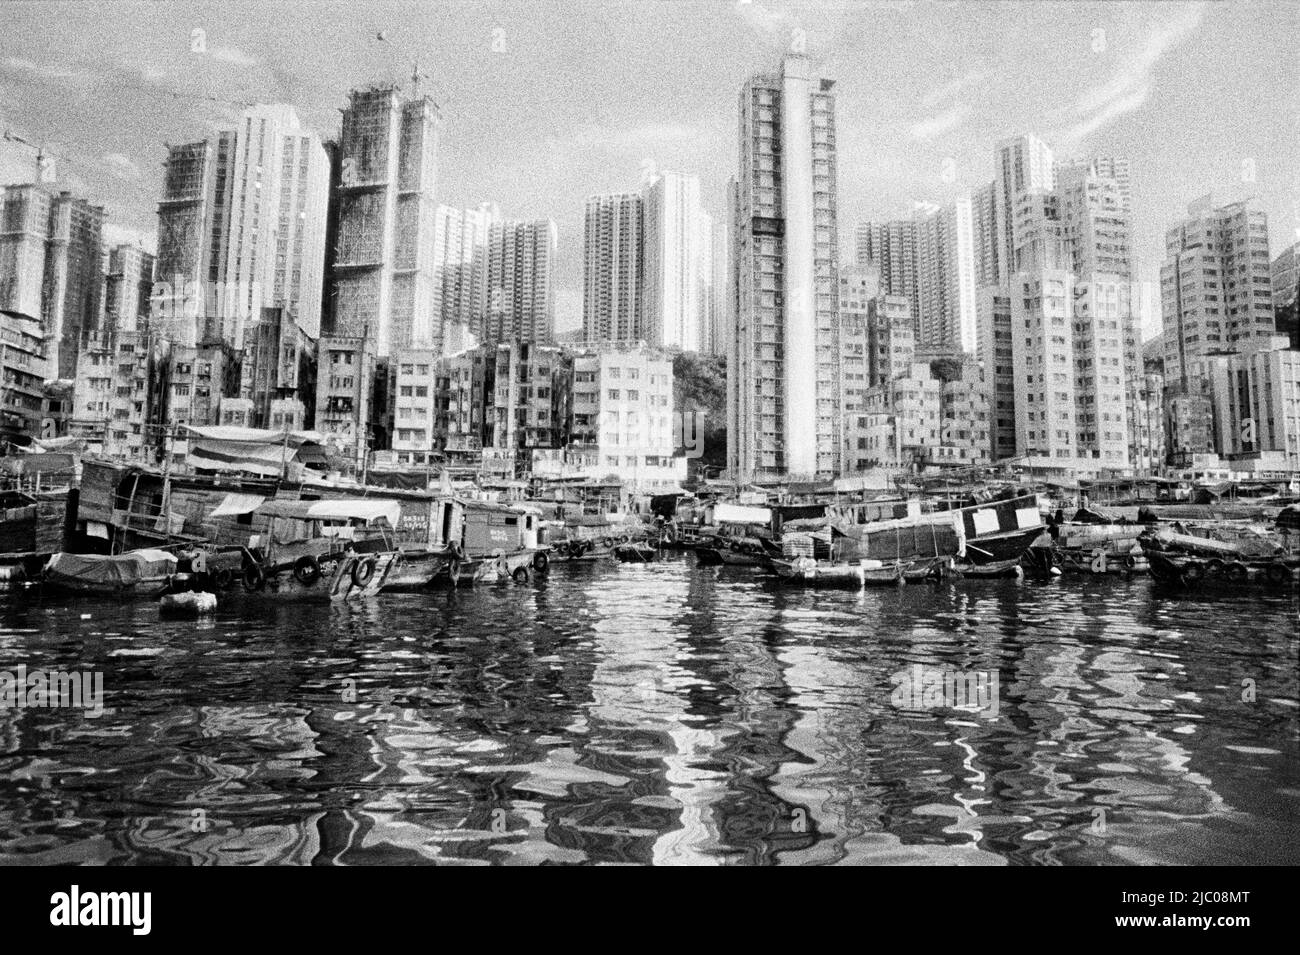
(613, 268)
(241, 227)
(890, 247)
(675, 241)
(1215, 286)
(945, 276)
(51, 250)
(996, 355)
(383, 261)
(1024, 166)
(460, 267)
(128, 285)
(520, 283)
(783, 371)
(984, 230)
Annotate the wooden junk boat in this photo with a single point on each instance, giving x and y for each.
(328, 549)
(1192, 561)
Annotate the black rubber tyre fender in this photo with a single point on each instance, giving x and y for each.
(520, 574)
(541, 561)
(1277, 574)
(223, 578)
(1213, 567)
(1236, 572)
(607, 541)
(363, 571)
(253, 577)
(1194, 571)
(306, 570)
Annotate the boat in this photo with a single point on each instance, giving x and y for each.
(330, 549)
(990, 570)
(636, 553)
(516, 566)
(582, 549)
(499, 541)
(1190, 571)
(863, 573)
(422, 568)
(148, 572)
(748, 552)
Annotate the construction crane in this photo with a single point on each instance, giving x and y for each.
(44, 164)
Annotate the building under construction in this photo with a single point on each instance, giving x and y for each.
(382, 271)
(51, 246)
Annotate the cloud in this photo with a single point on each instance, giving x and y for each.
(44, 71)
(233, 55)
(1128, 88)
(121, 166)
(949, 119)
(949, 90)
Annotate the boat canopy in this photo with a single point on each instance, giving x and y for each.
(128, 568)
(337, 509)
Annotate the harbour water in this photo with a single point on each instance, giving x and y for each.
(663, 713)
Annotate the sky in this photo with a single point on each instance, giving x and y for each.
(544, 103)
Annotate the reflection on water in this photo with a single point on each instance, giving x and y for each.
(667, 714)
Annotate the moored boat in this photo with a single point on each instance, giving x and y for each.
(636, 553)
(862, 573)
(1192, 571)
(990, 570)
(149, 572)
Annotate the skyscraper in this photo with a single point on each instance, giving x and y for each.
(383, 260)
(674, 239)
(945, 277)
(704, 277)
(128, 283)
(783, 382)
(241, 227)
(613, 268)
(1216, 289)
(51, 247)
(460, 267)
(520, 283)
(1024, 165)
(890, 247)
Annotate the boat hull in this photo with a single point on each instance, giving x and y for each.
(854, 576)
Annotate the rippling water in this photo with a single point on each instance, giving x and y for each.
(662, 713)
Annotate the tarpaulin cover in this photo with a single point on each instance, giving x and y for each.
(738, 514)
(129, 568)
(236, 504)
(343, 508)
(254, 450)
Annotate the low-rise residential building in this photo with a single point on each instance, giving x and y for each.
(530, 398)
(414, 399)
(623, 415)
(345, 384)
(111, 395)
(25, 364)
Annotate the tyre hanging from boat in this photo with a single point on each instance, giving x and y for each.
(306, 570)
(362, 572)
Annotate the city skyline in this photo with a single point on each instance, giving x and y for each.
(1164, 85)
